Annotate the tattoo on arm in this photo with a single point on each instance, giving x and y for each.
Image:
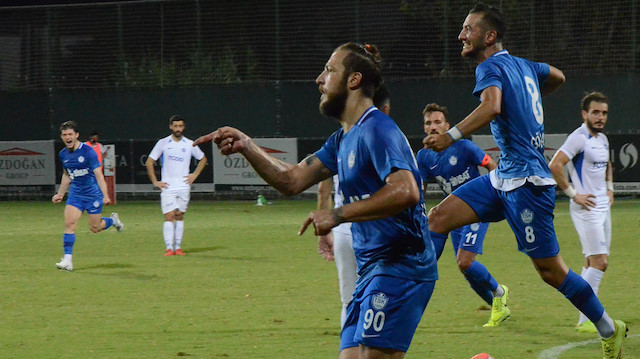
(310, 159)
(337, 215)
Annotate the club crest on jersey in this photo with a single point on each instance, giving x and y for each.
(474, 227)
(184, 150)
(379, 301)
(526, 216)
(351, 160)
(81, 159)
(453, 160)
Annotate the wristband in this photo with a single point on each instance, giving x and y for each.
(454, 133)
(570, 192)
(610, 186)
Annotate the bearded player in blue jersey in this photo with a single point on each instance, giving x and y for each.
(521, 190)
(452, 168)
(82, 176)
(380, 184)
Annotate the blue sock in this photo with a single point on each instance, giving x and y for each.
(579, 292)
(481, 281)
(438, 242)
(68, 239)
(108, 222)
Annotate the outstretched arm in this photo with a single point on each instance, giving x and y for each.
(399, 193)
(287, 178)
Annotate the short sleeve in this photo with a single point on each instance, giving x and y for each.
(328, 153)
(385, 145)
(423, 165)
(156, 152)
(487, 74)
(196, 152)
(573, 145)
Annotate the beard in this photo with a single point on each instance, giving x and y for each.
(177, 134)
(594, 129)
(335, 104)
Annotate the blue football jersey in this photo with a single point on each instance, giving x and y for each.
(519, 129)
(79, 165)
(452, 167)
(397, 246)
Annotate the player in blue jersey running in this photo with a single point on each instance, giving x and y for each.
(453, 167)
(521, 190)
(381, 184)
(82, 176)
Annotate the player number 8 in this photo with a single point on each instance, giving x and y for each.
(532, 88)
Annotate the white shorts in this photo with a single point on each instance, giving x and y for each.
(346, 264)
(594, 229)
(172, 199)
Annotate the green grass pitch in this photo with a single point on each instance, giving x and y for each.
(249, 287)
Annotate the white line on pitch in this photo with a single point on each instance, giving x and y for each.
(554, 353)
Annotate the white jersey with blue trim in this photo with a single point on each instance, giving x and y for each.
(79, 166)
(589, 157)
(175, 158)
(519, 129)
(399, 245)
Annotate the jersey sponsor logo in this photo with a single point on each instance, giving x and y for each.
(531, 249)
(77, 173)
(351, 160)
(537, 140)
(433, 167)
(600, 164)
(175, 158)
(453, 181)
(379, 301)
(526, 216)
(453, 160)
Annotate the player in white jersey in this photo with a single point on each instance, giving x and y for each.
(175, 152)
(585, 154)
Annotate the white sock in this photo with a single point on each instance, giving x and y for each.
(592, 276)
(606, 328)
(499, 292)
(167, 233)
(67, 257)
(179, 233)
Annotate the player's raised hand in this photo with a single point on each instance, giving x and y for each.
(437, 141)
(229, 140)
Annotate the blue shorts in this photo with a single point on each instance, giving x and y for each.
(469, 237)
(91, 205)
(528, 209)
(385, 313)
